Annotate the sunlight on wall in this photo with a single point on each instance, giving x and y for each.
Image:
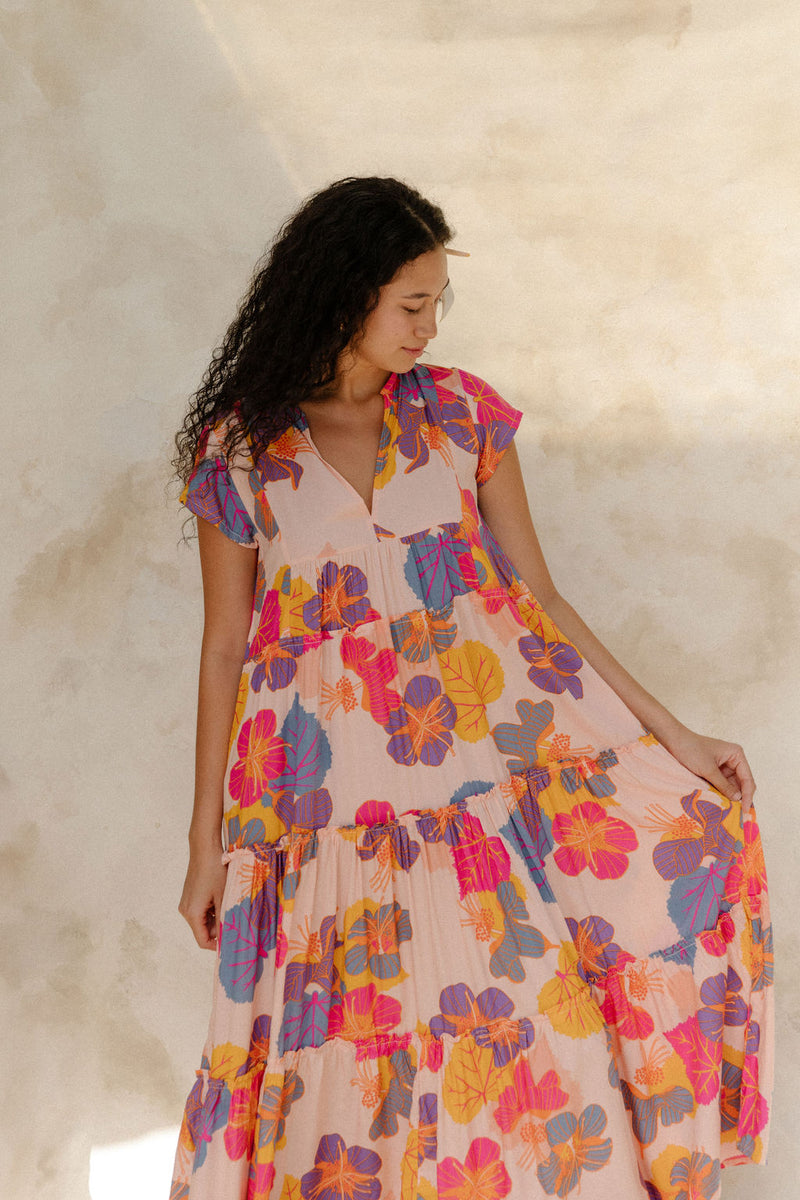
(246, 90)
(131, 1170)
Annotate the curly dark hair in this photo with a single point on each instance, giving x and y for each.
(308, 300)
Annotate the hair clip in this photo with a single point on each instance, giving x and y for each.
(457, 253)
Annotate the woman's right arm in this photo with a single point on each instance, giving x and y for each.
(229, 575)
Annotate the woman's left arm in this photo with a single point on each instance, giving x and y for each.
(503, 504)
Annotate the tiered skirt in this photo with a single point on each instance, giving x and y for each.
(489, 999)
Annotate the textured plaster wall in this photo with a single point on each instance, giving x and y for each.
(624, 173)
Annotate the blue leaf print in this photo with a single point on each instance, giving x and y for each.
(308, 751)
(433, 570)
(694, 900)
(248, 933)
(523, 739)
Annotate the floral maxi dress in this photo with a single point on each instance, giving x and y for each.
(482, 935)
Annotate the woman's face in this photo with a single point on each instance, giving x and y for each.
(405, 319)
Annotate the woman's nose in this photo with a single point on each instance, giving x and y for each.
(426, 323)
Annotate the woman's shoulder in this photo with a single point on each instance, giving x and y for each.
(485, 403)
(474, 415)
(458, 380)
(223, 437)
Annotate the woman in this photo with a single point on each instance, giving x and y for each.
(489, 921)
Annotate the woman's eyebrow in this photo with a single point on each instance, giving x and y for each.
(420, 295)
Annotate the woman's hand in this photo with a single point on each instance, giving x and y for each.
(722, 764)
(201, 901)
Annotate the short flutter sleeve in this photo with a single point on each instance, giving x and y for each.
(210, 492)
(495, 421)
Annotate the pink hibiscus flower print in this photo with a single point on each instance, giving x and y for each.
(341, 601)
(421, 725)
(576, 1146)
(363, 1014)
(747, 878)
(525, 1095)
(554, 665)
(375, 669)
(342, 1172)
(262, 759)
(754, 1107)
(260, 1180)
(716, 941)
(588, 837)
(481, 1176)
(481, 862)
(630, 1020)
(701, 1057)
(275, 657)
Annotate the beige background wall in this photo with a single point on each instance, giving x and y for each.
(624, 173)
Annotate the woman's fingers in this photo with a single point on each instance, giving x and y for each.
(202, 922)
(731, 774)
(201, 901)
(737, 765)
(212, 922)
(728, 786)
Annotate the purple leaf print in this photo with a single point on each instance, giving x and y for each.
(680, 857)
(313, 809)
(710, 1019)
(265, 518)
(736, 1011)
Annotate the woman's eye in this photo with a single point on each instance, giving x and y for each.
(413, 310)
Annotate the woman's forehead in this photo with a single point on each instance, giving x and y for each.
(423, 276)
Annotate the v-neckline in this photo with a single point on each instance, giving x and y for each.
(387, 391)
